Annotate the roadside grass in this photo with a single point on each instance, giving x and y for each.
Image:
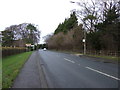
(0, 73)
(114, 58)
(106, 57)
(11, 66)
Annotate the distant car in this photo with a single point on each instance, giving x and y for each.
(44, 49)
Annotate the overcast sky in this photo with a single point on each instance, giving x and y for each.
(47, 14)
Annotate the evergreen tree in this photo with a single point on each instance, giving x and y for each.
(109, 28)
(67, 25)
(7, 38)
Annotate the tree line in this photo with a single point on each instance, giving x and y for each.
(99, 25)
(67, 36)
(16, 35)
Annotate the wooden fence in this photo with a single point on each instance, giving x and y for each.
(7, 51)
(104, 53)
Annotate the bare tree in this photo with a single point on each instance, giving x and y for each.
(72, 40)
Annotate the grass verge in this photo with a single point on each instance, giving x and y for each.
(106, 57)
(11, 66)
(114, 58)
(0, 73)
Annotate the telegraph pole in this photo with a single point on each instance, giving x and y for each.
(84, 41)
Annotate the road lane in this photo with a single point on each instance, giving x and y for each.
(61, 72)
(103, 73)
(109, 68)
(95, 70)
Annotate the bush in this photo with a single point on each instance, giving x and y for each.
(7, 51)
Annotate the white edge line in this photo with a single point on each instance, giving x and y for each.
(69, 60)
(102, 73)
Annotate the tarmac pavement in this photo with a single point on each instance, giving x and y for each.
(31, 75)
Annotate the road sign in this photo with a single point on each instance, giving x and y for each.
(83, 40)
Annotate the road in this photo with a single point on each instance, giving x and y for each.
(69, 71)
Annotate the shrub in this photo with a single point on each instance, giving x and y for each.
(7, 51)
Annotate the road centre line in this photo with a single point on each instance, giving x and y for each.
(102, 73)
(69, 60)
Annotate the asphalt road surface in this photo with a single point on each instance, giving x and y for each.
(69, 71)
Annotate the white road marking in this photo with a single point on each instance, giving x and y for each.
(69, 60)
(102, 73)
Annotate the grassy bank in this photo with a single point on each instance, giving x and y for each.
(11, 66)
(115, 58)
(106, 57)
(0, 73)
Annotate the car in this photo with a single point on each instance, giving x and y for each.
(44, 49)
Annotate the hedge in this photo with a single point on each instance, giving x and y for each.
(7, 51)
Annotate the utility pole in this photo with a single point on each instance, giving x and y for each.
(84, 41)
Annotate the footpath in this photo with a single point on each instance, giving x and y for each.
(31, 75)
